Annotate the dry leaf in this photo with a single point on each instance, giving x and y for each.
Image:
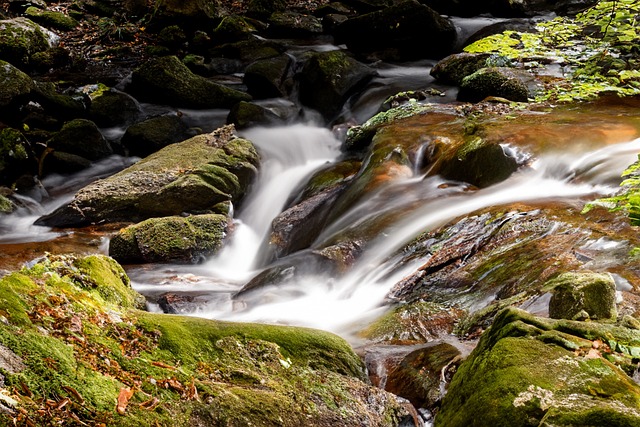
(163, 365)
(123, 400)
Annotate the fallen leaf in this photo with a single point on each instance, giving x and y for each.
(74, 393)
(150, 404)
(123, 400)
(163, 365)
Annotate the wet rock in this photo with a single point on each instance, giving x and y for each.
(407, 30)
(51, 19)
(170, 239)
(82, 138)
(63, 163)
(267, 78)
(166, 80)
(527, 368)
(326, 178)
(479, 163)
(147, 137)
(246, 114)
(329, 78)
(496, 81)
(20, 38)
(297, 227)
(245, 52)
(263, 9)
(454, 68)
(14, 84)
(60, 106)
(420, 376)
(289, 24)
(113, 108)
(6, 205)
(191, 176)
(172, 303)
(15, 158)
(233, 28)
(575, 293)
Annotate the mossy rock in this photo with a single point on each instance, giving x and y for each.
(14, 84)
(167, 80)
(454, 68)
(290, 24)
(58, 105)
(113, 108)
(51, 19)
(527, 370)
(232, 28)
(247, 114)
(583, 293)
(6, 205)
(71, 335)
(147, 137)
(267, 78)
(82, 138)
(191, 176)
(495, 81)
(329, 78)
(247, 51)
(15, 157)
(263, 9)
(177, 239)
(20, 38)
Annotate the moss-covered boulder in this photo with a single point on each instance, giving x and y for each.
(113, 108)
(243, 53)
(6, 205)
(405, 31)
(82, 138)
(267, 78)
(190, 176)
(534, 371)
(247, 114)
(290, 24)
(263, 9)
(51, 19)
(232, 28)
(583, 294)
(167, 80)
(454, 68)
(329, 78)
(191, 239)
(148, 136)
(502, 82)
(20, 38)
(75, 348)
(58, 105)
(15, 158)
(14, 84)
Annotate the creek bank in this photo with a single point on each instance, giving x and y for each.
(73, 335)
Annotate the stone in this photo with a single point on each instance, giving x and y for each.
(14, 84)
(113, 108)
(20, 38)
(146, 137)
(233, 28)
(51, 19)
(15, 157)
(191, 176)
(166, 80)
(289, 24)
(262, 9)
(495, 81)
(189, 239)
(577, 292)
(82, 138)
(246, 114)
(454, 68)
(267, 78)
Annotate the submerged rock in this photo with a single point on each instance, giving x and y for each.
(79, 315)
(191, 176)
(170, 239)
(527, 369)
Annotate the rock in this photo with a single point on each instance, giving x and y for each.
(405, 31)
(245, 52)
(520, 25)
(527, 369)
(537, 7)
(262, 9)
(495, 81)
(573, 293)
(51, 19)
(454, 68)
(233, 28)
(289, 24)
(170, 239)
(63, 163)
(82, 138)
(6, 205)
(172, 37)
(297, 227)
(15, 85)
(14, 156)
(329, 78)
(20, 38)
(167, 80)
(172, 303)
(206, 372)
(267, 78)
(58, 105)
(465, 8)
(196, 12)
(191, 176)
(113, 108)
(246, 114)
(479, 163)
(147, 137)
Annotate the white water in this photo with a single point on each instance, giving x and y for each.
(344, 304)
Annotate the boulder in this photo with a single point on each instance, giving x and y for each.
(82, 138)
(496, 81)
(267, 78)
(21, 38)
(166, 80)
(246, 114)
(232, 28)
(454, 68)
(6, 205)
(15, 158)
(62, 163)
(574, 295)
(528, 371)
(14, 84)
(329, 78)
(405, 31)
(58, 105)
(289, 24)
(113, 108)
(191, 176)
(245, 52)
(262, 9)
(51, 19)
(147, 137)
(170, 239)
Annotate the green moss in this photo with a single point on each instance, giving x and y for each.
(47, 18)
(6, 205)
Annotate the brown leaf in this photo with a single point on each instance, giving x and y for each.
(593, 354)
(74, 393)
(150, 404)
(192, 391)
(123, 400)
(163, 365)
